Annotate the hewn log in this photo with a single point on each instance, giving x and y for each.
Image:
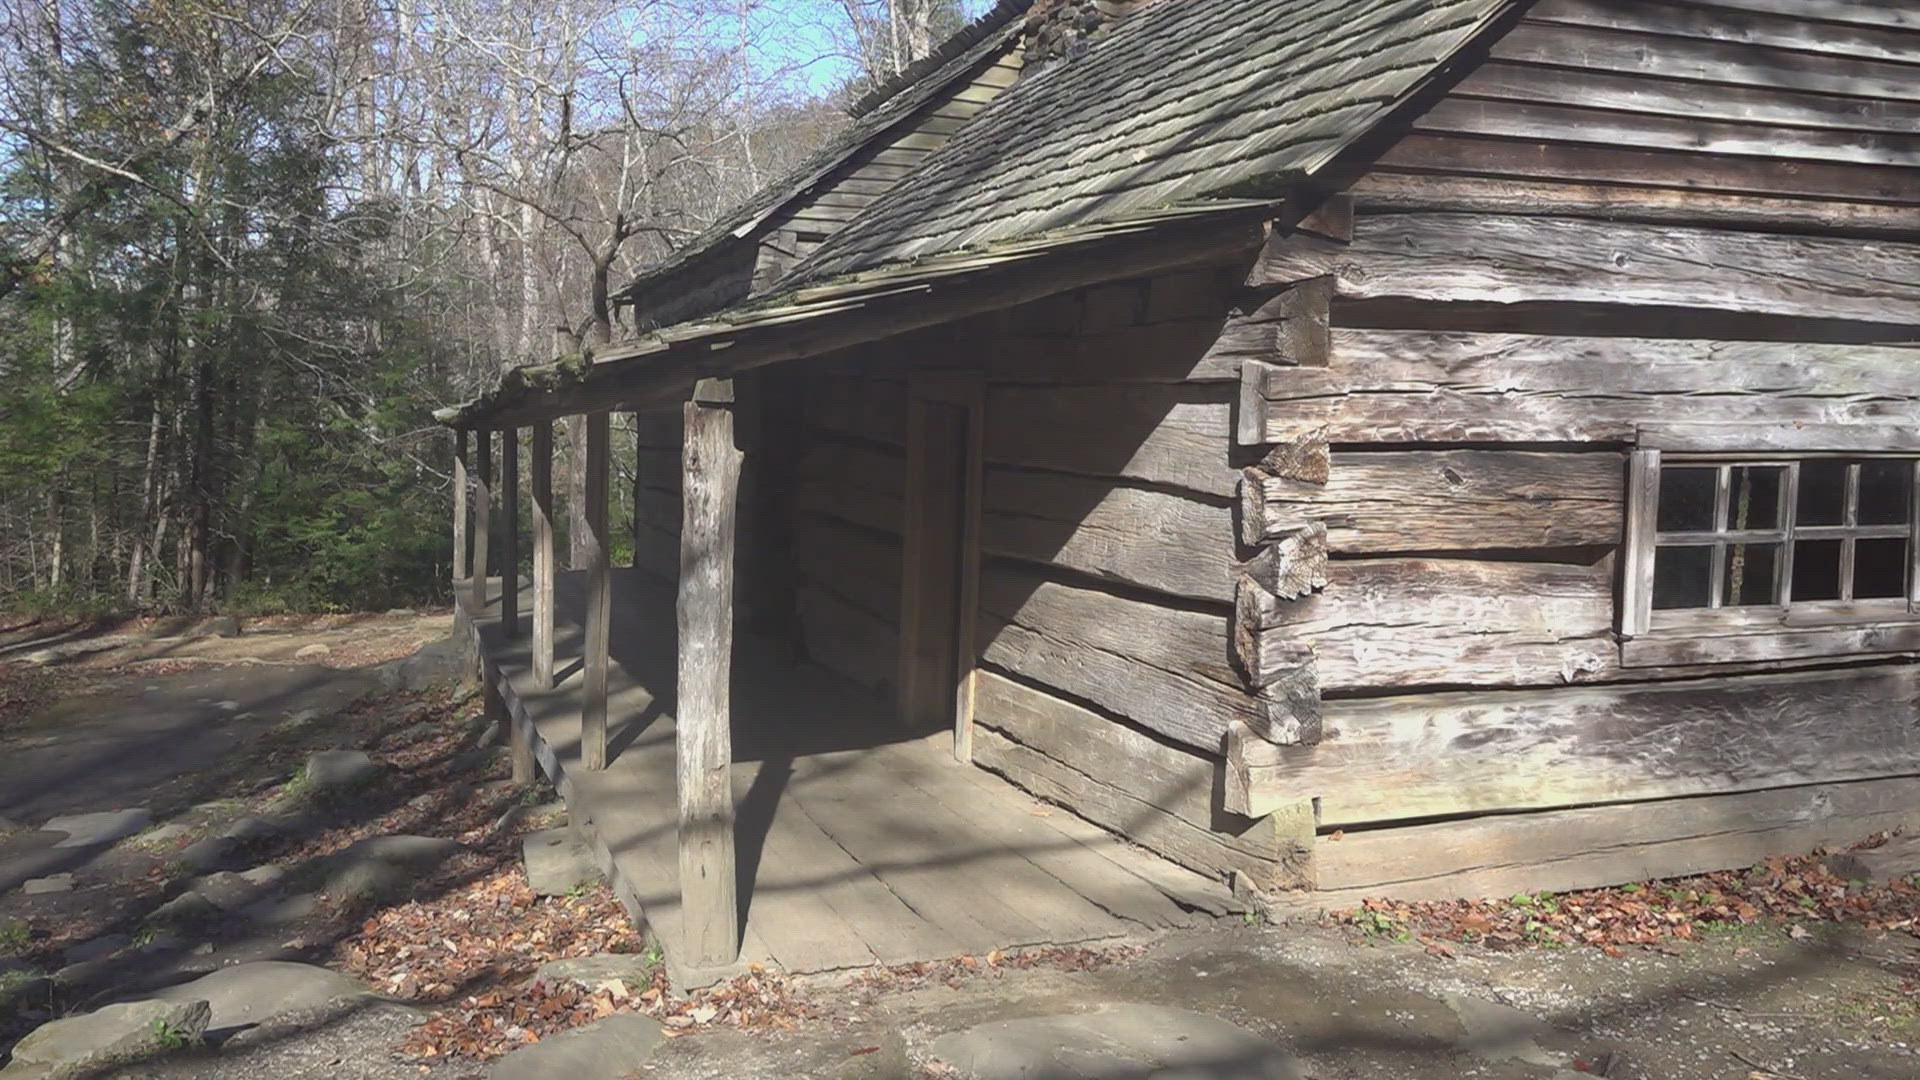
(543, 564)
(1390, 501)
(846, 639)
(1776, 107)
(1382, 191)
(460, 522)
(1506, 259)
(703, 716)
(1294, 565)
(1422, 386)
(854, 483)
(1161, 797)
(1165, 668)
(1773, 644)
(1185, 350)
(1599, 846)
(1177, 436)
(510, 532)
(858, 565)
(599, 614)
(1109, 529)
(1703, 60)
(1386, 759)
(1602, 126)
(1648, 17)
(482, 515)
(1438, 622)
(1681, 170)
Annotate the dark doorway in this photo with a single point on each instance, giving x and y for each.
(940, 581)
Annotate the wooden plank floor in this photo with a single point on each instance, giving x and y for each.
(858, 843)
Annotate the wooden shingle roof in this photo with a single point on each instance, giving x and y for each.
(1185, 100)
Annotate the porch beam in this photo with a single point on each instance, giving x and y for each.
(510, 532)
(593, 691)
(710, 481)
(543, 554)
(482, 515)
(460, 522)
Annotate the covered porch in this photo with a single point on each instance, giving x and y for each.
(836, 837)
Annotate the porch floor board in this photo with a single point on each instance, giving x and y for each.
(857, 842)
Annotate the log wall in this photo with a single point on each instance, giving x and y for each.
(1632, 213)
(1108, 548)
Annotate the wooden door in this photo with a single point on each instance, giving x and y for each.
(940, 582)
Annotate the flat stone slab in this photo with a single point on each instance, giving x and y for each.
(631, 968)
(608, 1049)
(308, 651)
(1140, 1042)
(557, 862)
(332, 771)
(105, 827)
(114, 1035)
(250, 995)
(384, 865)
(1498, 1032)
(95, 948)
(52, 883)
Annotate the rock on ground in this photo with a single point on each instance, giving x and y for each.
(105, 827)
(306, 652)
(1143, 1041)
(331, 771)
(252, 996)
(631, 968)
(604, 1050)
(382, 866)
(1897, 858)
(114, 1035)
(52, 883)
(557, 862)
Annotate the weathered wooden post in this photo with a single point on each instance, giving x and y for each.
(543, 554)
(482, 516)
(510, 532)
(710, 480)
(593, 691)
(459, 506)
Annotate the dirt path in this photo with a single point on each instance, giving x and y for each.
(171, 741)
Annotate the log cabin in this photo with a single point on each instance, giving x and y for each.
(1425, 448)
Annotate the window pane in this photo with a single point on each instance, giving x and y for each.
(1823, 495)
(1682, 577)
(1879, 569)
(1886, 488)
(1752, 575)
(1753, 497)
(1686, 499)
(1816, 569)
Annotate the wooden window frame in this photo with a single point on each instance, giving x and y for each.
(1782, 631)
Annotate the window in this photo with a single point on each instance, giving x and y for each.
(1726, 544)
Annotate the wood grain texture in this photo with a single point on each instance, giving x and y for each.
(599, 613)
(1600, 846)
(1386, 759)
(1426, 386)
(850, 641)
(860, 566)
(1427, 622)
(1389, 501)
(855, 483)
(1165, 668)
(510, 531)
(1633, 198)
(543, 565)
(1176, 544)
(1159, 796)
(1505, 259)
(1722, 24)
(703, 713)
(1176, 436)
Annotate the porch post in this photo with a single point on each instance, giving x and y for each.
(593, 704)
(510, 532)
(459, 506)
(710, 480)
(543, 554)
(482, 516)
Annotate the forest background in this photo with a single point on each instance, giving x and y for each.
(249, 245)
